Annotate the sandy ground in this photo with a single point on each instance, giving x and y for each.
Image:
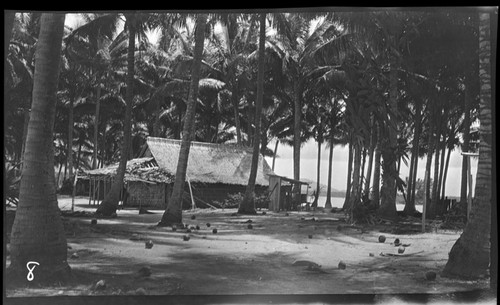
(238, 260)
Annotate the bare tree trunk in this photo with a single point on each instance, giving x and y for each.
(435, 186)
(173, 212)
(443, 190)
(70, 134)
(466, 138)
(297, 102)
(362, 175)
(370, 160)
(388, 190)
(328, 203)
(354, 199)
(247, 206)
(470, 256)
(38, 232)
(376, 170)
(409, 208)
(318, 172)
(428, 164)
(110, 203)
(96, 125)
(275, 152)
(349, 177)
(234, 99)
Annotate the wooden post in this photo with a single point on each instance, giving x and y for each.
(469, 196)
(275, 187)
(90, 189)
(193, 205)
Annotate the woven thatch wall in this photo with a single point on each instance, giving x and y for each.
(146, 195)
(219, 192)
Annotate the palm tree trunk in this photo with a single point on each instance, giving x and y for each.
(26, 112)
(349, 176)
(38, 232)
(470, 255)
(110, 203)
(435, 183)
(96, 125)
(247, 206)
(428, 164)
(297, 103)
(441, 173)
(318, 171)
(466, 138)
(70, 135)
(78, 157)
(409, 208)
(370, 161)
(354, 199)
(234, 99)
(362, 175)
(388, 190)
(445, 174)
(275, 152)
(9, 23)
(376, 169)
(173, 212)
(328, 203)
(156, 123)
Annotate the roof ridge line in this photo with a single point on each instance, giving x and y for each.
(201, 144)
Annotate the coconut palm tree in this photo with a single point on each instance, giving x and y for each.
(247, 206)
(110, 203)
(173, 212)
(470, 255)
(38, 233)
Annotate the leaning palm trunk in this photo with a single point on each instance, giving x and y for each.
(110, 203)
(445, 174)
(173, 212)
(247, 206)
(38, 232)
(470, 255)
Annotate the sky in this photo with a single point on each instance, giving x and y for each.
(308, 153)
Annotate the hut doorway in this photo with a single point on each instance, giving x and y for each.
(281, 193)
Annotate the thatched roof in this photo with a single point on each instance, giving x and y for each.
(209, 163)
(140, 169)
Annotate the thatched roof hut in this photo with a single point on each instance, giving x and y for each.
(213, 172)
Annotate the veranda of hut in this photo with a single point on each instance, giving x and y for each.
(144, 183)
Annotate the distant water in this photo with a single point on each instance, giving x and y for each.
(338, 202)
